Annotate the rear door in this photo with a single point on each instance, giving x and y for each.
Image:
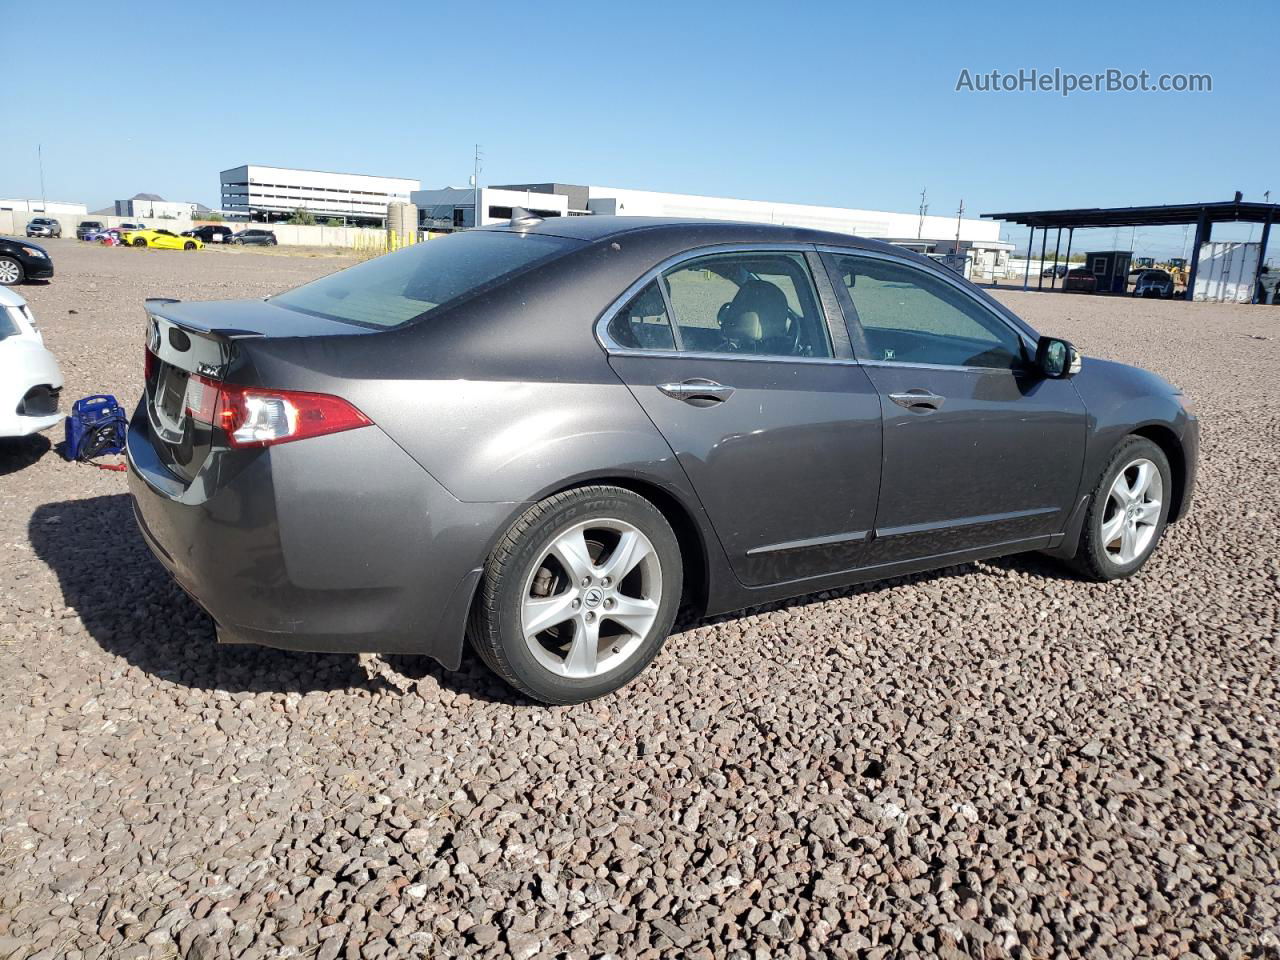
(731, 356)
(979, 449)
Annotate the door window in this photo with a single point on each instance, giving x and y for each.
(911, 316)
(643, 323)
(760, 303)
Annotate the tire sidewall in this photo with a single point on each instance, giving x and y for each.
(21, 273)
(531, 547)
(1134, 448)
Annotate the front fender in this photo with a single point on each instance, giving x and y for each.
(1121, 400)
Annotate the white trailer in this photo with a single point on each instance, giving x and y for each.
(1227, 271)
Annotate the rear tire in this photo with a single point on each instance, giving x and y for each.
(11, 273)
(140, 242)
(188, 245)
(1127, 513)
(546, 626)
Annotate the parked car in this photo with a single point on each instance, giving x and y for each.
(132, 226)
(30, 381)
(160, 239)
(88, 229)
(560, 431)
(260, 237)
(1059, 271)
(210, 233)
(1080, 279)
(44, 227)
(109, 237)
(1154, 283)
(21, 261)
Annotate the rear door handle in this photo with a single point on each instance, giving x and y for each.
(697, 391)
(919, 400)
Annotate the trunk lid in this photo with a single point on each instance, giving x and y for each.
(192, 345)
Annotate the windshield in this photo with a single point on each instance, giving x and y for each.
(399, 287)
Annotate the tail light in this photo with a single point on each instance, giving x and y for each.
(258, 417)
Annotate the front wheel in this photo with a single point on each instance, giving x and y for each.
(10, 271)
(188, 245)
(579, 596)
(140, 242)
(1127, 513)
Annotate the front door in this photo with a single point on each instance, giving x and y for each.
(979, 450)
(779, 437)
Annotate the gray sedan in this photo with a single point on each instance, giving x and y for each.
(548, 436)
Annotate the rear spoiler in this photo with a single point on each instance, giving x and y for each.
(155, 305)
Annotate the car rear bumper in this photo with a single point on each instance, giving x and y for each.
(336, 543)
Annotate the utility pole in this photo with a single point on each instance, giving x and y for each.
(475, 189)
(959, 214)
(924, 208)
(44, 203)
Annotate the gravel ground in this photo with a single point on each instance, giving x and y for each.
(993, 760)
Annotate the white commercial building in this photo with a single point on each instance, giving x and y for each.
(150, 206)
(257, 192)
(52, 208)
(454, 208)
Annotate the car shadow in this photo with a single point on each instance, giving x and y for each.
(18, 453)
(134, 610)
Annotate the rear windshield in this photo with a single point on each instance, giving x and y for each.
(403, 286)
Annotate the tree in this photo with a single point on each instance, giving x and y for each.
(301, 218)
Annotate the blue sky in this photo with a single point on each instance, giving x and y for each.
(835, 103)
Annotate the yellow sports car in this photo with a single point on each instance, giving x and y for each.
(160, 239)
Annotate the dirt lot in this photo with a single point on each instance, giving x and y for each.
(993, 760)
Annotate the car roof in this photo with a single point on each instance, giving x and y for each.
(698, 231)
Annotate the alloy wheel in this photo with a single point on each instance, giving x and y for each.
(10, 272)
(1132, 512)
(589, 603)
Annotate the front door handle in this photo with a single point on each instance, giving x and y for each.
(918, 400)
(699, 392)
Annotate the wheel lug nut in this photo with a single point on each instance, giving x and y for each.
(608, 604)
(577, 604)
(586, 581)
(606, 581)
(590, 617)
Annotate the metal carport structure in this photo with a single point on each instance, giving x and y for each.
(1203, 215)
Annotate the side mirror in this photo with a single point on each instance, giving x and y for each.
(1057, 359)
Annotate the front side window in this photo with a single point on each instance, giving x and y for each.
(400, 287)
(760, 303)
(910, 316)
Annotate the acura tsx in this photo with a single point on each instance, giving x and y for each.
(547, 436)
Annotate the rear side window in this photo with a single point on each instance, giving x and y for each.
(643, 323)
(400, 287)
(8, 325)
(758, 302)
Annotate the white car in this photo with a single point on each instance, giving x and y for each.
(30, 380)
